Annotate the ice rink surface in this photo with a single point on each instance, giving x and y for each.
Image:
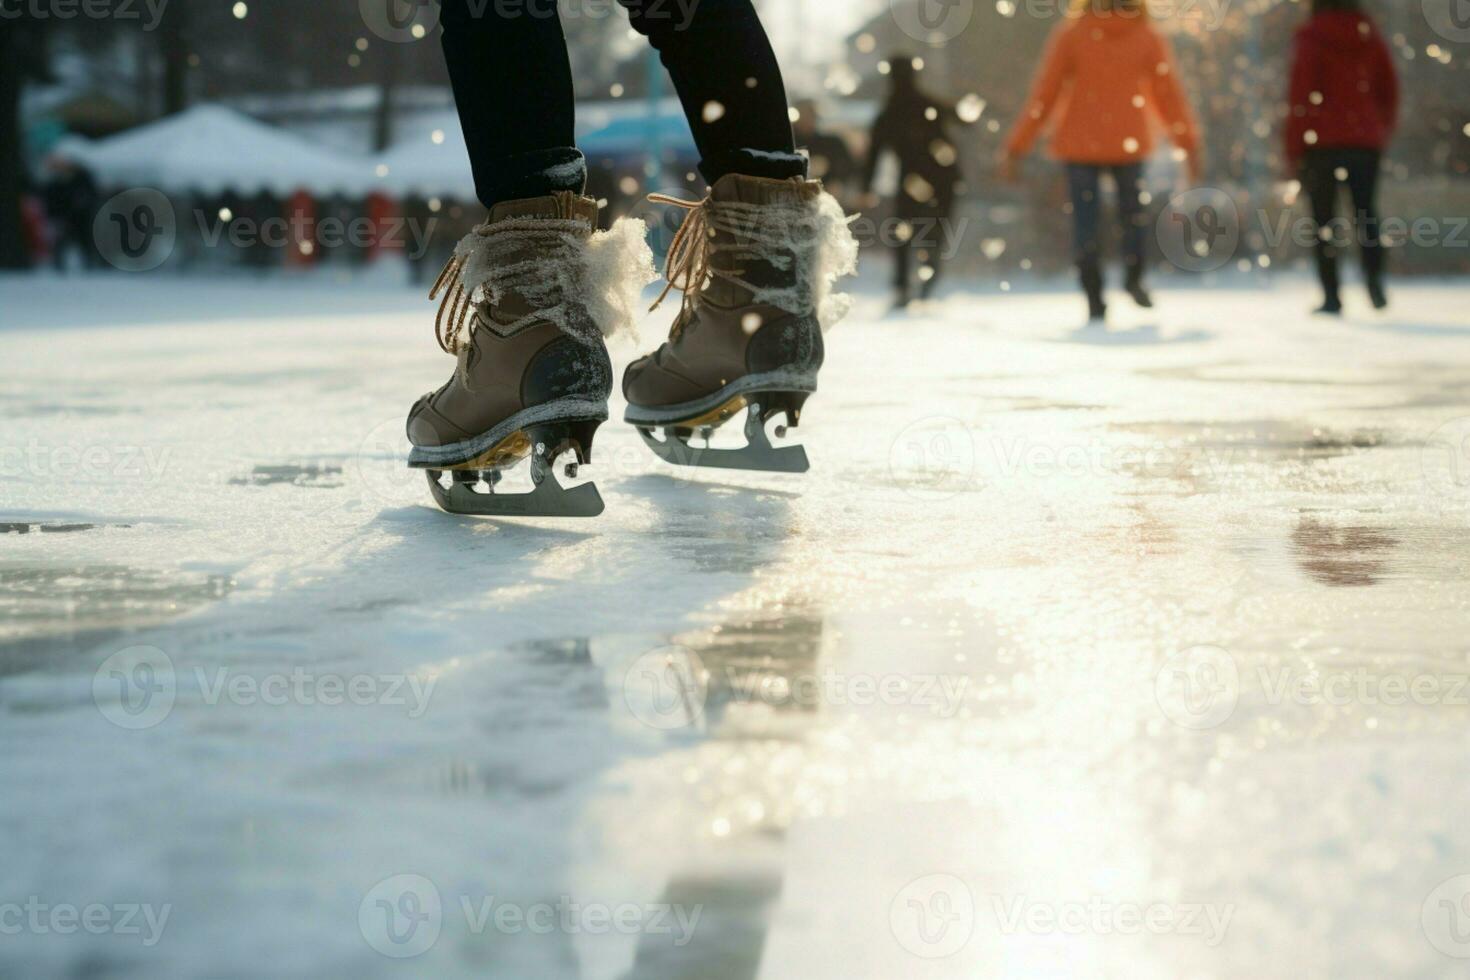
(1079, 653)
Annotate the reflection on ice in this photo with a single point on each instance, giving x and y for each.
(1342, 555)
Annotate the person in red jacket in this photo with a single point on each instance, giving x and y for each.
(1107, 81)
(1343, 108)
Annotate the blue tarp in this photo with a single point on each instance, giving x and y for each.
(634, 135)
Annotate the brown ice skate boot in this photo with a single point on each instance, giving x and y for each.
(520, 312)
(755, 260)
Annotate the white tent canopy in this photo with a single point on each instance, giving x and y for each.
(430, 160)
(210, 149)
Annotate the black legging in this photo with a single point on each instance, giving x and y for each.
(1320, 177)
(513, 85)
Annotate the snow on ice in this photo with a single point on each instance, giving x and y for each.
(1136, 652)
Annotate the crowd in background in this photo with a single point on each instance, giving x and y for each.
(1107, 82)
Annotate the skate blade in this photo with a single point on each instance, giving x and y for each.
(547, 498)
(758, 453)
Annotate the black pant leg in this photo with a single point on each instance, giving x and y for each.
(1085, 189)
(1319, 179)
(1131, 216)
(512, 83)
(1363, 168)
(728, 81)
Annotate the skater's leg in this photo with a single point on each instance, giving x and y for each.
(729, 83)
(513, 85)
(902, 271)
(1363, 169)
(1084, 187)
(1083, 181)
(1319, 179)
(521, 308)
(934, 239)
(755, 258)
(1134, 222)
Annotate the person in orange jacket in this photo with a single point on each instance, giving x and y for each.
(1107, 75)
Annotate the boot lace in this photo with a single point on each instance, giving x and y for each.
(743, 230)
(536, 258)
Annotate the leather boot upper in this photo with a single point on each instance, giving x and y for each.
(722, 332)
(510, 357)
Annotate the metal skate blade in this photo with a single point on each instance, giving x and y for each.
(547, 499)
(758, 455)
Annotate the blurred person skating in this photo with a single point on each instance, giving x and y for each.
(914, 126)
(1343, 107)
(71, 201)
(831, 160)
(530, 295)
(1106, 77)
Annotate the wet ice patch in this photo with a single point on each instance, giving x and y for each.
(309, 475)
(45, 527)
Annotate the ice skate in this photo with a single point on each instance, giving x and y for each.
(1137, 290)
(1092, 285)
(1377, 294)
(524, 313)
(755, 260)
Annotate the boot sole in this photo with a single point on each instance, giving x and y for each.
(762, 395)
(697, 412)
(508, 441)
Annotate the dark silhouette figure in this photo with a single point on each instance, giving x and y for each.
(831, 160)
(914, 125)
(1343, 108)
(71, 200)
